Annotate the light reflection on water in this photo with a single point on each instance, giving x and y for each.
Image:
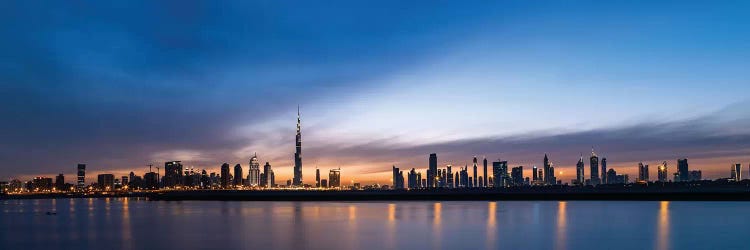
(120, 223)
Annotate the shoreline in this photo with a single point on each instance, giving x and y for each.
(599, 193)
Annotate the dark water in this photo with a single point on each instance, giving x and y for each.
(139, 224)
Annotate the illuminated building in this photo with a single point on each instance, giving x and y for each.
(334, 178)
(173, 175)
(268, 174)
(297, 180)
(499, 173)
(534, 174)
(317, 177)
(81, 178)
(449, 177)
(662, 172)
(41, 184)
(106, 181)
(432, 171)
(253, 176)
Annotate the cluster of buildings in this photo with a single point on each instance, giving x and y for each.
(176, 176)
(500, 177)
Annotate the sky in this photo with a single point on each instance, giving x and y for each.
(121, 85)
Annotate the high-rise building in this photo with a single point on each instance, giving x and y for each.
(253, 176)
(334, 178)
(594, 160)
(398, 178)
(682, 169)
(662, 172)
(150, 181)
(484, 162)
(449, 177)
(132, 176)
(413, 178)
(297, 181)
(432, 171)
(604, 171)
(534, 174)
(516, 176)
(81, 178)
(60, 183)
(226, 177)
(317, 177)
(642, 172)
(106, 181)
(268, 173)
(580, 175)
(173, 174)
(475, 172)
(737, 172)
(499, 173)
(611, 176)
(548, 171)
(237, 176)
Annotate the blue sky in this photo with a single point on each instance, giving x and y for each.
(125, 84)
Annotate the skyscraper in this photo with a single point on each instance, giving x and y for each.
(237, 176)
(334, 178)
(594, 168)
(516, 176)
(106, 181)
(475, 172)
(270, 178)
(486, 184)
(226, 179)
(662, 172)
(317, 177)
(81, 178)
(432, 171)
(580, 175)
(499, 173)
(737, 169)
(173, 174)
(682, 169)
(297, 181)
(253, 176)
(604, 171)
(547, 176)
(449, 177)
(60, 182)
(642, 172)
(398, 178)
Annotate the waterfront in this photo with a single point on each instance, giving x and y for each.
(134, 223)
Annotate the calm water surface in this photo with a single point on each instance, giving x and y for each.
(138, 224)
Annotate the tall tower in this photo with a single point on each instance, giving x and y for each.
(475, 172)
(432, 171)
(253, 177)
(547, 175)
(485, 173)
(297, 181)
(580, 174)
(594, 161)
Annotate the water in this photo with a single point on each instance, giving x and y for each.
(138, 224)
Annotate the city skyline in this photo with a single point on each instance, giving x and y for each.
(173, 171)
(215, 83)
